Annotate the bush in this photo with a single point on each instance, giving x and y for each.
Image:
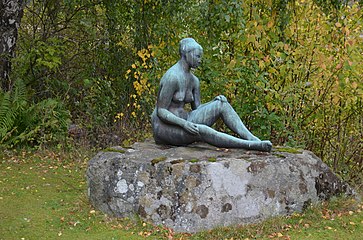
(32, 124)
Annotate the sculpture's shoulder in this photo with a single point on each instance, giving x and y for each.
(196, 82)
(172, 75)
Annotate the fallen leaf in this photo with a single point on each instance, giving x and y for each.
(280, 235)
(352, 223)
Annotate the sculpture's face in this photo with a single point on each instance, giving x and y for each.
(194, 57)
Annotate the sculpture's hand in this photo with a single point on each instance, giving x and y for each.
(221, 98)
(191, 128)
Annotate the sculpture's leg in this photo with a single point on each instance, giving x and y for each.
(209, 113)
(219, 139)
(171, 134)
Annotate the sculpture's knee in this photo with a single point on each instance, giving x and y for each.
(221, 98)
(223, 104)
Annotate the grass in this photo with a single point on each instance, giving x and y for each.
(43, 196)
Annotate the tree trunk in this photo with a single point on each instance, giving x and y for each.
(11, 12)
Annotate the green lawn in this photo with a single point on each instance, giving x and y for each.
(43, 196)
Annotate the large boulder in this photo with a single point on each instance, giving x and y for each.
(200, 187)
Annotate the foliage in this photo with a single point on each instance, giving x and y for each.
(300, 87)
(11, 104)
(290, 68)
(24, 123)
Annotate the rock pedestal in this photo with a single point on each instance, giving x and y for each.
(200, 187)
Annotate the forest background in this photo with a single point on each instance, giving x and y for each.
(86, 72)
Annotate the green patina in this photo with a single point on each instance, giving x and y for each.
(288, 150)
(177, 161)
(279, 155)
(194, 160)
(113, 150)
(158, 159)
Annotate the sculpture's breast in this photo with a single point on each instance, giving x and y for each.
(179, 96)
(183, 96)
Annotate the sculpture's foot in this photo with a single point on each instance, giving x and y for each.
(266, 146)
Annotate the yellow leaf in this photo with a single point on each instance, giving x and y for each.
(352, 223)
(280, 235)
(232, 64)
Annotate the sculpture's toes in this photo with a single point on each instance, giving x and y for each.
(266, 145)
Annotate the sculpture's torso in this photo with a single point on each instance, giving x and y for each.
(183, 90)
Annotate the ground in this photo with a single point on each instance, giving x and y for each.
(43, 195)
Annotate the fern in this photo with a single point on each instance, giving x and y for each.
(19, 95)
(43, 122)
(18, 104)
(8, 114)
(37, 123)
(11, 105)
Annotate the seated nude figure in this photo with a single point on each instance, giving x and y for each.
(173, 125)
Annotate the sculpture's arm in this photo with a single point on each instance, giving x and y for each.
(165, 96)
(196, 94)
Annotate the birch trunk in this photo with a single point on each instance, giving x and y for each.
(11, 12)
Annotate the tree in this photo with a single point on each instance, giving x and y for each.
(11, 12)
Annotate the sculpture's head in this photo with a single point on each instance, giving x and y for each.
(191, 51)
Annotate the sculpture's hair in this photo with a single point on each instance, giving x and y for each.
(188, 44)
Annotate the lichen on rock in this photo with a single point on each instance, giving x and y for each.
(235, 187)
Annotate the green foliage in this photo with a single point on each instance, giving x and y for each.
(23, 123)
(42, 123)
(290, 68)
(12, 103)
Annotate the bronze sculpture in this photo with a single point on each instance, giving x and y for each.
(173, 125)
